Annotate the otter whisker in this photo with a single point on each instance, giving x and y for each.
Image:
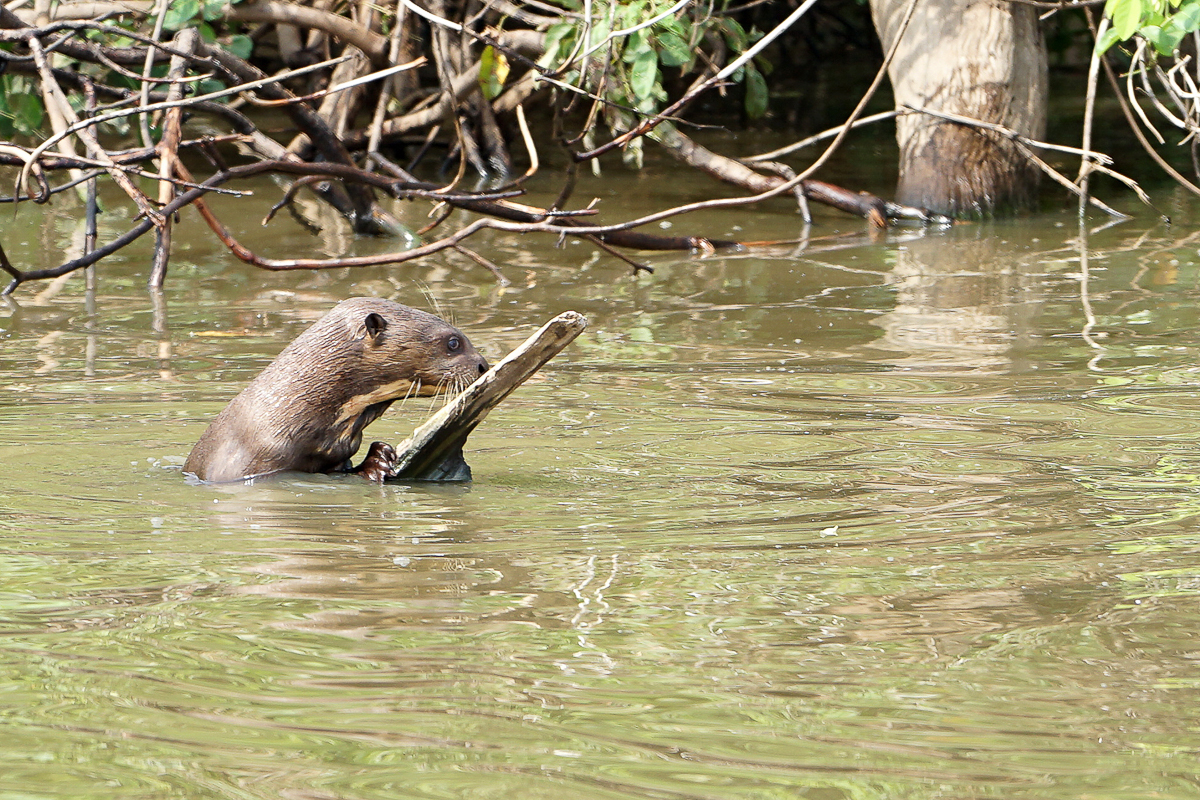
(439, 393)
(433, 301)
(413, 388)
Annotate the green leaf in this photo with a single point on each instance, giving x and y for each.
(1106, 41)
(673, 50)
(1126, 15)
(633, 154)
(756, 93)
(643, 75)
(27, 112)
(180, 14)
(633, 14)
(1164, 41)
(598, 32)
(209, 85)
(493, 71)
(560, 37)
(1185, 21)
(1189, 16)
(6, 115)
(241, 46)
(735, 35)
(212, 9)
(672, 25)
(637, 43)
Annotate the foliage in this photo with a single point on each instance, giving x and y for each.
(1162, 23)
(21, 111)
(493, 72)
(617, 55)
(201, 14)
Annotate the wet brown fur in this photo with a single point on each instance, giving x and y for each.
(306, 411)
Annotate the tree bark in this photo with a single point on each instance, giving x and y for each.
(984, 59)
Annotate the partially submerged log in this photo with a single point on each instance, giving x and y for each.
(982, 59)
(434, 451)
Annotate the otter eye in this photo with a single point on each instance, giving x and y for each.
(453, 344)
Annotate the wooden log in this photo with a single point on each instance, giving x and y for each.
(434, 451)
(984, 59)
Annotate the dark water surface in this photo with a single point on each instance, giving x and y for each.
(901, 516)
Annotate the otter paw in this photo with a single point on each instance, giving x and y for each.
(380, 463)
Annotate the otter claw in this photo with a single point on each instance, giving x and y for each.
(380, 463)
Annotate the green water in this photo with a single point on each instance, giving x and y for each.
(880, 518)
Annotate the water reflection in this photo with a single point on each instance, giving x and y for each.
(850, 520)
(965, 299)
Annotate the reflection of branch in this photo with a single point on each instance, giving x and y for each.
(7, 266)
(1089, 316)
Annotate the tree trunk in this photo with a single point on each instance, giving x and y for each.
(984, 59)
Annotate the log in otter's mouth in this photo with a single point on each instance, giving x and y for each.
(434, 451)
(307, 410)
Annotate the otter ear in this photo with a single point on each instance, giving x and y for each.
(375, 326)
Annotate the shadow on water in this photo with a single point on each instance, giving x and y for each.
(898, 516)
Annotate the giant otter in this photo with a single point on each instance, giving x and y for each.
(306, 411)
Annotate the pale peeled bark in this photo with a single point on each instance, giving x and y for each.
(984, 59)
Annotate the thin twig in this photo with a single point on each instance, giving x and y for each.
(483, 262)
(144, 119)
(386, 90)
(1137, 63)
(55, 93)
(1137, 131)
(75, 127)
(823, 135)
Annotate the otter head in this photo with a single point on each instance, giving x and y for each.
(400, 352)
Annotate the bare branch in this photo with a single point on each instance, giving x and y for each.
(371, 43)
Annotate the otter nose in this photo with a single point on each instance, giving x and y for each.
(483, 366)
